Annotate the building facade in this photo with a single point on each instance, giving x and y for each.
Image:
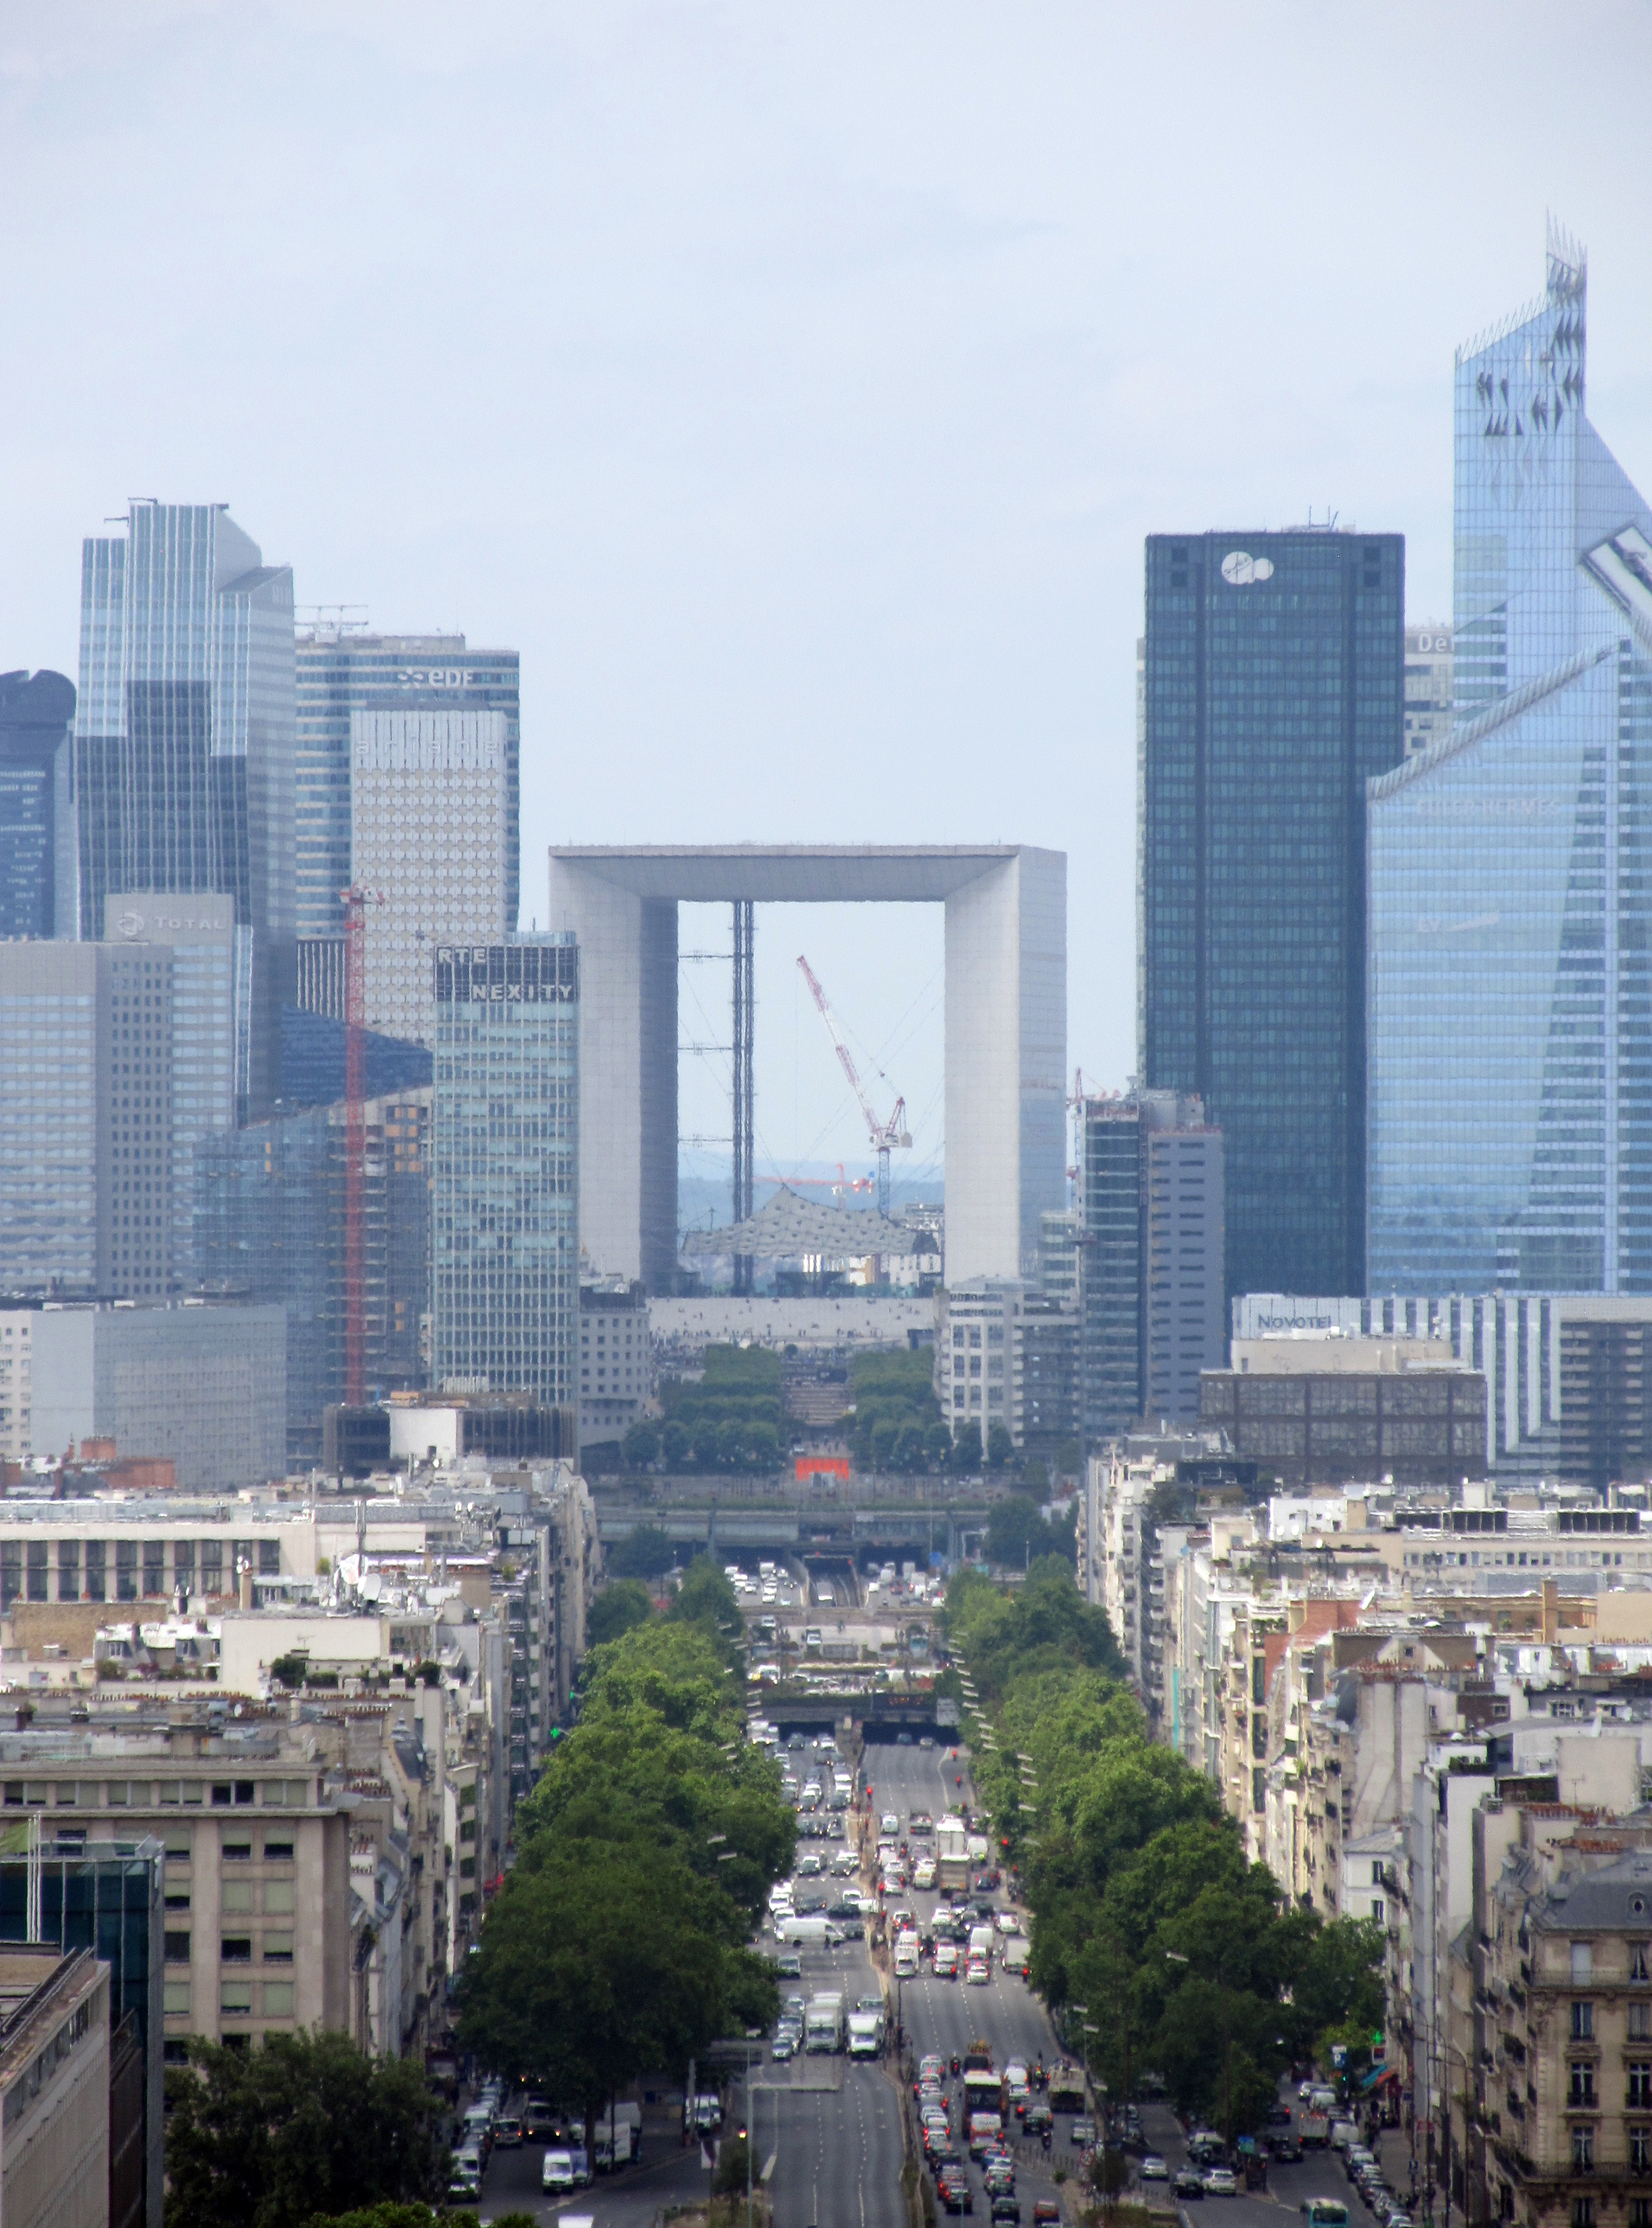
(505, 1266)
(37, 862)
(430, 829)
(269, 1222)
(616, 1358)
(1429, 669)
(1273, 692)
(1335, 1410)
(1508, 973)
(184, 744)
(344, 670)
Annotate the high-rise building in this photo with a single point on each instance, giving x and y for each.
(342, 670)
(50, 1105)
(184, 744)
(1511, 973)
(270, 1226)
(1428, 682)
(1272, 690)
(429, 840)
(1151, 1202)
(37, 870)
(506, 1250)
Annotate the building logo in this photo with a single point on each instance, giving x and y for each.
(1241, 570)
(131, 925)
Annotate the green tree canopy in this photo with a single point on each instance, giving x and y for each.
(623, 1604)
(647, 1554)
(299, 2125)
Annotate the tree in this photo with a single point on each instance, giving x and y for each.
(647, 1554)
(1018, 1532)
(938, 1444)
(707, 1596)
(642, 1444)
(1000, 1445)
(675, 1443)
(299, 2125)
(622, 1605)
(1069, 1458)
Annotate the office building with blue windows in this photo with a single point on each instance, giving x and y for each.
(505, 1254)
(1271, 691)
(184, 742)
(37, 874)
(1510, 964)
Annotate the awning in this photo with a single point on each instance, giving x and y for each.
(1378, 2074)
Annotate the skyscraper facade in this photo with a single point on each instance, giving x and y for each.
(1510, 968)
(342, 670)
(1272, 691)
(184, 744)
(429, 839)
(36, 821)
(506, 1250)
(1429, 670)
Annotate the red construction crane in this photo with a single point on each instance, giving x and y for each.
(884, 1134)
(354, 902)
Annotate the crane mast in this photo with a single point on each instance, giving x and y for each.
(885, 1135)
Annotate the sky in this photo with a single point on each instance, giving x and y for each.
(793, 387)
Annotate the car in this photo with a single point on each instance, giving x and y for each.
(1036, 2118)
(789, 1965)
(924, 1872)
(464, 2178)
(889, 1827)
(1399, 2217)
(977, 1971)
(557, 2172)
(1189, 2182)
(1279, 2114)
(1084, 2131)
(989, 1882)
(784, 2045)
(1219, 2181)
(1153, 2169)
(1045, 2209)
(956, 2197)
(581, 2158)
(539, 2121)
(508, 2133)
(1005, 2208)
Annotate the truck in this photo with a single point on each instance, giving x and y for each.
(798, 1927)
(824, 2023)
(1313, 2127)
(1067, 2088)
(616, 2142)
(952, 1853)
(866, 2034)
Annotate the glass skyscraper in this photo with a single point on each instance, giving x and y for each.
(506, 1252)
(1511, 864)
(184, 744)
(340, 672)
(36, 823)
(1271, 690)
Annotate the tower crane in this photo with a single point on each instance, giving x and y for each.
(884, 1134)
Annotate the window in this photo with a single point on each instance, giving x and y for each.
(176, 2052)
(278, 1998)
(277, 1853)
(278, 1948)
(177, 1847)
(1638, 2027)
(1582, 2150)
(236, 1852)
(175, 1998)
(1638, 2072)
(236, 1949)
(68, 1794)
(1583, 1962)
(1580, 2098)
(177, 1948)
(1638, 1967)
(278, 1897)
(1583, 2022)
(1583, 2208)
(235, 1897)
(1640, 2150)
(235, 1996)
(178, 1902)
(1640, 2212)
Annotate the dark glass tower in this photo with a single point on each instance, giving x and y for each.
(37, 829)
(1273, 689)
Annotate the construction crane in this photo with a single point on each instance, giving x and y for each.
(354, 902)
(885, 1135)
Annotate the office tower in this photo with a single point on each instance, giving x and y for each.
(1511, 974)
(506, 1253)
(313, 1061)
(36, 821)
(429, 840)
(1151, 1209)
(270, 1226)
(341, 670)
(184, 743)
(1428, 682)
(199, 935)
(1272, 691)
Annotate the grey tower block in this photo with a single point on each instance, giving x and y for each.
(1006, 987)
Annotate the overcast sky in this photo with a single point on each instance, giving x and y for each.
(793, 385)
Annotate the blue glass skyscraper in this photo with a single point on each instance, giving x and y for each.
(1271, 689)
(36, 824)
(1510, 991)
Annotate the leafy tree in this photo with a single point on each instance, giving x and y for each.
(622, 1605)
(1000, 1445)
(938, 1444)
(641, 1443)
(1069, 1458)
(647, 1554)
(675, 1443)
(1018, 1532)
(707, 1596)
(299, 2125)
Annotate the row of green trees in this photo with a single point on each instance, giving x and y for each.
(618, 1943)
(1184, 1957)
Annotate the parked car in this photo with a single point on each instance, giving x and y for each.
(1189, 2182)
(1153, 2169)
(1220, 2182)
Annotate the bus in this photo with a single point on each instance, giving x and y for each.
(1325, 2213)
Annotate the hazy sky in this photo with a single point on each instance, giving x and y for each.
(793, 385)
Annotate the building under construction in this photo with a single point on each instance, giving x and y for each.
(270, 1224)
